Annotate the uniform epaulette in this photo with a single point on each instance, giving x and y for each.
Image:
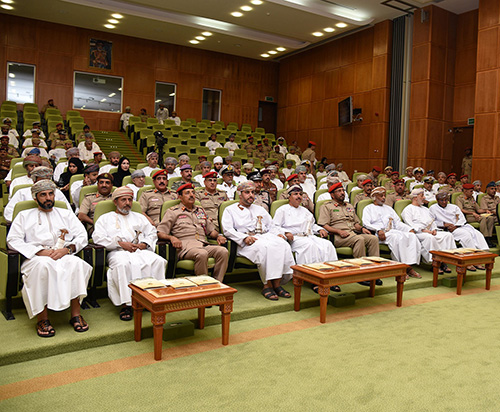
(91, 194)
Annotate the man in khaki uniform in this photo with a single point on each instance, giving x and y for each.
(186, 177)
(187, 226)
(152, 200)
(211, 198)
(399, 193)
(249, 146)
(374, 175)
(450, 187)
(266, 147)
(339, 218)
(309, 153)
(277, 155)
(490, 201)
(55, 134)
(389, 185)
(472, 211)
(365, 194)
(90, 201)
(4, 142)
(293, 180)
(262, 197)
(467, 162)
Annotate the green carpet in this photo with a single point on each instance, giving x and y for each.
(436, 354)
(110, 141)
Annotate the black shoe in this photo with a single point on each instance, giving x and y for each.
(490, 242)
(379, 282)
(365, 283)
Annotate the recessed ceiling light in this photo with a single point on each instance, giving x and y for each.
(172, 94)
(206, 33)
(8, 1)
(111, 94)
(109, 26)
(264, 55)
(200, 38)
(256, 2)
(246, 8)
(193, 41)
(117, 16)
(113, 21)
(317, 34)
(236, 14)
(280, 49)
(7, 7)
(341, 25)
(329, 29)
(102, 100)
(12, 82)
(272, 52)
(12, 75)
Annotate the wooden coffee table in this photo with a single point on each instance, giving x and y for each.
(326, 278)
(174, 301)
(461, 261)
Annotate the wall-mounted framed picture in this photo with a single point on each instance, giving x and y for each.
(100, 54)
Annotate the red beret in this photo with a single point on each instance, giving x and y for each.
(452, 174)
(184, 186)
(468, 185)
(395, 173)
(259, 145)
(161, 172)
(210, 174)
(366, 182)
(399, 181)
(292, 176)
(461, 177)
(377, 169)
(335, 186)
(313, 143)
(202, 156)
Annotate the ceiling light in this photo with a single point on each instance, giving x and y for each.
(256, 2)
(111, 95)
(12, 82)
(329, 29)
(236, 14)
(12, 75)
(193, 41)
(8, 1)
(158, 101)
(280, 49)
(272, 52)
(109, 26)
(102, 100)
(317, 34)
(264, 55)
(117, 16)
(7, 7)
(245, 8)
(172, 94)
(206, 33)
(200, 38)
(113, 21)
(341, 25)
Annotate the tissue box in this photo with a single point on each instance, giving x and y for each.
(341, 299)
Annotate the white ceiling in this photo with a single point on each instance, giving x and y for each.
(274, 23)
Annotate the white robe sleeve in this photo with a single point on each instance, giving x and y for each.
(16, 237)
(104, 237)
(228, 224)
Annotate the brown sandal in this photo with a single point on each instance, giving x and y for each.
(44, 329)
(79, 324)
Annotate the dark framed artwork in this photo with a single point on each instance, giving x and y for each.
(100, 55)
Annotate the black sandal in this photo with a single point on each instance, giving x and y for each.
(126, 314)
(335, 288)
(79, 324)
(269, 293)
(44, 329)
(282, 293)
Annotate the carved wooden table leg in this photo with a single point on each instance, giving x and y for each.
(137, 319)
(489, 267)
(158, 321)
(461, 271)
(226, 310)
(435, 271)
(401, 283)
(201, 318)
(323, 292)
(297, 287)
(372, 288)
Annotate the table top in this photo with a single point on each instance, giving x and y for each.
(170, 295)
(333, 272)
(464, 254)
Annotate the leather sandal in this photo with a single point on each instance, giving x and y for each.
(269, 293)
(126, 314)
(44, 329)
(282, 293)
(79, 324)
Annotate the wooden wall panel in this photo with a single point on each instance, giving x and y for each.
(487, 41)
(141, 63)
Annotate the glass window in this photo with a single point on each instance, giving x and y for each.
(97, 92)
(211, 104)
(21, 82)
(165, 94)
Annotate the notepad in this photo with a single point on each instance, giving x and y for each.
(147, 283)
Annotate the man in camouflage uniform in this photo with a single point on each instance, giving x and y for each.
(211, 198)
(262, 197)
(90, 201)
(249, 146)
(152, 200)
(187, 227)
(267, 185)
(186, 177)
